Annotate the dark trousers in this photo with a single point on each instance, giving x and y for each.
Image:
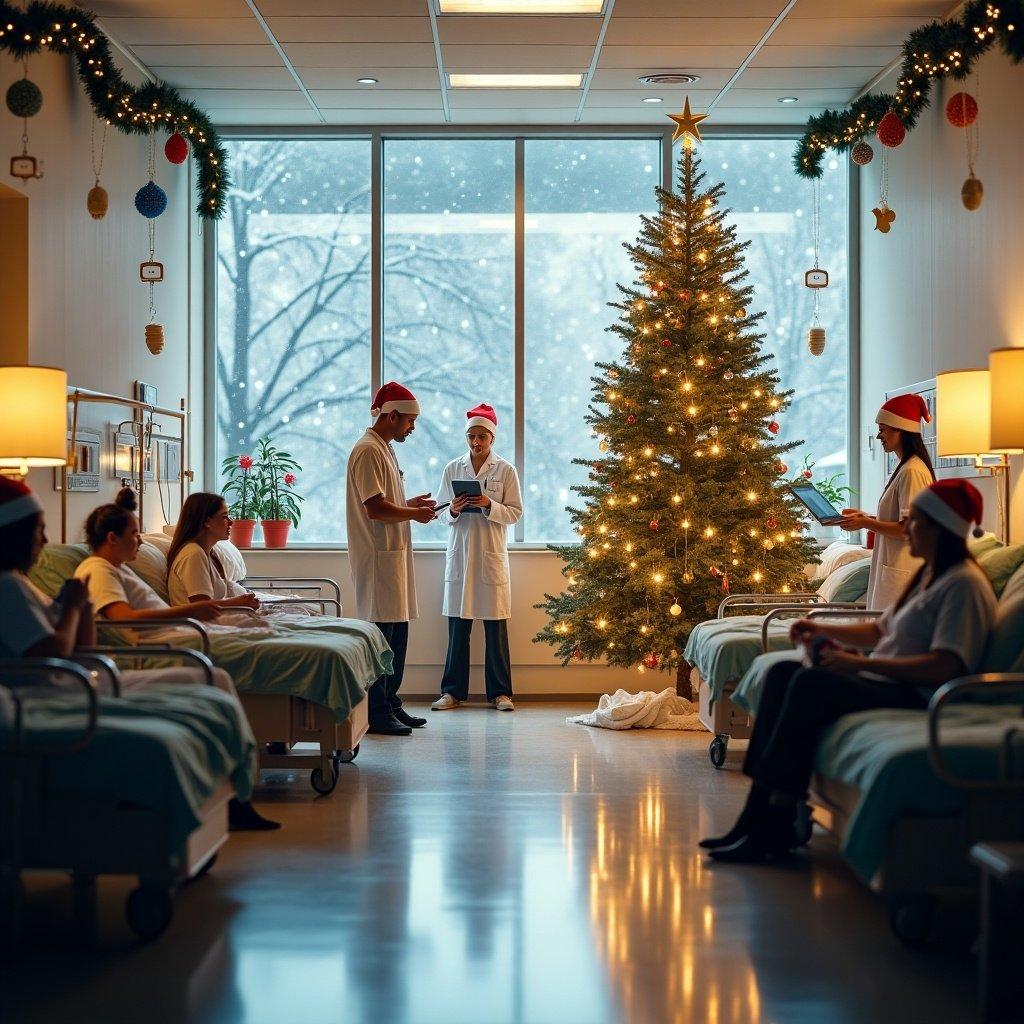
(797, 706)
(497, 666)
(383, 693)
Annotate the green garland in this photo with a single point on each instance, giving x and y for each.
(941, 49)
(70, 30)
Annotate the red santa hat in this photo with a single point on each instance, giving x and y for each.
(904, 412)
(16, 501)
(483, 416)
(393, 397)
(953, 504)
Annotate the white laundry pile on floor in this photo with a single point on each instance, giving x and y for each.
(644, 710)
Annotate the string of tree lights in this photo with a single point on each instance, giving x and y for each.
(942, 49)
(58, 28)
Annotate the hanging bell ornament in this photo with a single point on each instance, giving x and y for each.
(862, 153)
(816, 340)
(972, 193)
(97, 201)
(155, 338)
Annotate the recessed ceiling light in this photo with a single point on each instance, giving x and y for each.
(787, 99)
(473, 81)
(520, 6)
(366, 81)
(652, 99)
(669, 78)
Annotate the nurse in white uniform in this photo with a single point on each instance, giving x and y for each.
(476, 579)
(892, 565)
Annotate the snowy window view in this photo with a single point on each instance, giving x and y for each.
(293, 357)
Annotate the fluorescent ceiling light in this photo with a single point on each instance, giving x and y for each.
(520, 6)
(464, 81)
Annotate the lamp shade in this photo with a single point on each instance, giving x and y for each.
(1007, 368)
(962, 424)
(34, 423)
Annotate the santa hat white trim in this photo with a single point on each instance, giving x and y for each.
(406, 407)
(929, 502)
(890, 419)
(482, 421)
(21, 507)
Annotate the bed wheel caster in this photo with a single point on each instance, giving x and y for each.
(149, 910)
(717, 749)
(324, 784)
(910, 918)
(345, 756)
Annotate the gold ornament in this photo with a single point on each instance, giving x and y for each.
(603, 446)
(675, 609)
(883, 218)
(686, 125)
(155, 338)
(816, 340)
(97, 201)
(972, 193)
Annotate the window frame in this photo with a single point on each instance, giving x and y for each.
(519, 134)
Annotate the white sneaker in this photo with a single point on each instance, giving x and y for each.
(503, 703)
(445, 703)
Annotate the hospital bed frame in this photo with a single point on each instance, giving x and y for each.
(91, 835)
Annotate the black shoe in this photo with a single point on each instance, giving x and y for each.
(771, 834)
(245, 818)
(389, 726)
(757, 801)
(277, 749)
(410, 720)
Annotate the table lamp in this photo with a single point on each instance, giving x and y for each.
(34, 426)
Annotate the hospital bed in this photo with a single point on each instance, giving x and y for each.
(98, 783)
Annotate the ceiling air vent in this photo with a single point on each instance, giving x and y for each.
(669, 78)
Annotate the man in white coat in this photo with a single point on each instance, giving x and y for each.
(380, 545)
(476, 580)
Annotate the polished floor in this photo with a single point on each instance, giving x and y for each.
(492, 868)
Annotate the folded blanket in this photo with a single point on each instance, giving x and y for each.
(644, 710)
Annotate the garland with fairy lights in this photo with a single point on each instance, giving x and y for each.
(946, 49)
(135, 111)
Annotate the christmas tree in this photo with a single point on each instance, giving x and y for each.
(687, 500)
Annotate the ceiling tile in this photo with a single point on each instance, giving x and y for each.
(241, 116)
(254, 99)
(185, 31)
(685, 31)
(373, 116)
(843, 32)
(361, 55)
(225, 78)
(389, 78)
(788, 81)
(698, 8)
(169, 9)
(923, 9)
(628, 78)
(499, 57)
(250, 56)
(673, 101)
(478, 30)
(351, 30)
(806, 98)
(512, 99)
(657, 57)
(825, 56)
(395, 99)
(351, 8)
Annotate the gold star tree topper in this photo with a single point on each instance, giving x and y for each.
(686, 125)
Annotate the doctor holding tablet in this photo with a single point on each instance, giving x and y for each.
(483, 490)
(899, 430)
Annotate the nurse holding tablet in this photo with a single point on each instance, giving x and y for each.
(483, 490)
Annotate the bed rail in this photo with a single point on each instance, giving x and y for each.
(982, 682)
(308, 600)
(274, 583)
(155, 624)
(33, 667)
(822, 610)
(157, 651)
(99, 663)
(765, 601)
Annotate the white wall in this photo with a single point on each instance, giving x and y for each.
(87, 307)
(943, 287)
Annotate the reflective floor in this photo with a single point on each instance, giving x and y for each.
(492, 868)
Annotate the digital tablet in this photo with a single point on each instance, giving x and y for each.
(473, 489)
(817, 504)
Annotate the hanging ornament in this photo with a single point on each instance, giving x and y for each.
(577, 654)
(155, 338)
(687, 576)
(631, 419)
(603, 446)
(971, 193)
(97, 200)
(151, 200)
(891, 131)
(772, 523)
(816, 340)
(713, 431)
(666, 343)
(151, 271)
(961, 109)
(862, 153)
(728, 375)
(734, 414)
(884, 216)
(24, 100)
(653, 524)
(816, 278)
(781, 467)
(651, 660)
(176, 148)
(773, 427)
(675, 609)
(715, 571)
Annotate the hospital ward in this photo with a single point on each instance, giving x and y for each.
(511, 512)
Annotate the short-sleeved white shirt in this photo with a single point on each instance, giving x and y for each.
(194, 572)
(954, 614)
(27, 615)
(110, 584)
(380, 554)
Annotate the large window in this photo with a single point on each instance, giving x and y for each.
(295, 298)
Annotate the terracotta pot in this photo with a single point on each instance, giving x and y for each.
(241, 532)
(275, 532)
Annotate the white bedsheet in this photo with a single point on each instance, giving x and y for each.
(644, 710)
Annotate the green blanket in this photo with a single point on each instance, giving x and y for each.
(167, 746)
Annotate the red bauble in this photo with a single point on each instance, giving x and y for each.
(773, 427)
(781, 467)
(715, 571)
(651, 660)
(631, 419)
(891, 131)
(578, 654)
(772, 523)
(961, 109)
(653, 524)
(666, 343)
(176, 148)
(862, 153)
(807, 474)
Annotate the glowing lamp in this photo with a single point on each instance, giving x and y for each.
(1006, 366)
(34, 426)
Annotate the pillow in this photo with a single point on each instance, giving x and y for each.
(1006, 643)
(1000, 564)
(986, 542)
(847, 583)
(150, 565)
(232, 560)
(838, 554)
(57, 563)
(161, 541)
(1015, 587)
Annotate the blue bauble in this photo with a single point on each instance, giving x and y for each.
(24, 98)
(151, 200)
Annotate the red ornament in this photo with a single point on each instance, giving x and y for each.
(781, 467)
(772, 523)
(773, 427)
(651, 660)
(807, 474)
(176, 148)
(631, 419)
(715, 571)
(891, 131)
(725, 584)
(684, 295)
(578, 654)
(653, 524)
(611, 484)
(666, 343)
(961, 109)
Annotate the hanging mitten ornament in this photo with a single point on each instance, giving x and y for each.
(176, 148)
(891, 131)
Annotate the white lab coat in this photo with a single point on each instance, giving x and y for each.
(476, 578)
(892, 564)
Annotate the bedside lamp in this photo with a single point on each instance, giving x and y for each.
(34, 424)
(1006, 366)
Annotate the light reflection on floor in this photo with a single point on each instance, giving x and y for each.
(491, 869)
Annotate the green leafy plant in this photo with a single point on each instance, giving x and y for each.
(240, 487)
(276, 475)
(831, 487)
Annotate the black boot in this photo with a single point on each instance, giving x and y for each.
(757, 800)
(410, 720)
(245, 818)
(770, 834)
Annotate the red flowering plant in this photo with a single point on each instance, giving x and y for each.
(240, 487)
(831, 487)
(276, 477)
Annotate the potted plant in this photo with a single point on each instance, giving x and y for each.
(279, 503)
(240, 493)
